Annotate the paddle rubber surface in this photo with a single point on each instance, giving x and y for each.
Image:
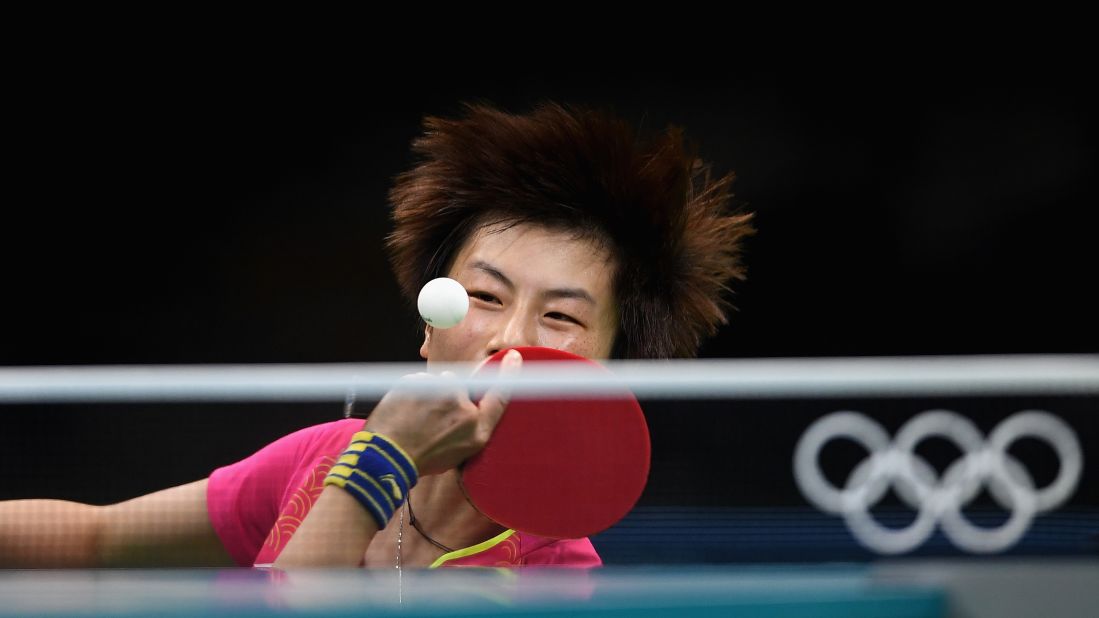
(561, 467)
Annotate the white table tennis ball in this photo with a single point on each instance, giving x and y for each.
(443, 302)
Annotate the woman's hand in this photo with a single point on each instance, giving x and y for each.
(441, 430)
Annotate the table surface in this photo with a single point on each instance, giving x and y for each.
(915, 589)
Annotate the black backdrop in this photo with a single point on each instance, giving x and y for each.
(226, 212)
(218, 213)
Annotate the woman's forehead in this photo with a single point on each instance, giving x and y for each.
(527, 246)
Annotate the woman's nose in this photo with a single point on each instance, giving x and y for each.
(517, 328)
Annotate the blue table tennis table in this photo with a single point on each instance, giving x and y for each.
(901, 589)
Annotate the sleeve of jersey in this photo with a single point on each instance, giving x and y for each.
(243, 499)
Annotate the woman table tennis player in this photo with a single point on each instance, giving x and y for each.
(568, 230)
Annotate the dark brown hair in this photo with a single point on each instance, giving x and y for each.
(648, 199)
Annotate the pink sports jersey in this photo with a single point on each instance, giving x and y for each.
(256, 504)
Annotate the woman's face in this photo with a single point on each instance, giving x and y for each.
(529, 286)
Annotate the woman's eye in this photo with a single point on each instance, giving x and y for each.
(560, 316)
(484, 296)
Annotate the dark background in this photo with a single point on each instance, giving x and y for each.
(186, 211)
(173, 210)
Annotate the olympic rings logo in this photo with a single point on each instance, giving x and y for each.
(937, 500)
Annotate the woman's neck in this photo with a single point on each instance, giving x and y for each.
(442, 512)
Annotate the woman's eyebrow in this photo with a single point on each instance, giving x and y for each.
(573, 293)
(495, 273)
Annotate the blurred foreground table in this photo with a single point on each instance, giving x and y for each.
(969, 588)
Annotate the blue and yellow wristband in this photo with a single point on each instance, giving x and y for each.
(376, 472)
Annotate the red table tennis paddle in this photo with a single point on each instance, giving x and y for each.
(563, 467)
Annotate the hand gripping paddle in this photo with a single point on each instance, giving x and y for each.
(560, 467)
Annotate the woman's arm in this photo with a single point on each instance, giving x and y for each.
(165, 528)
(437, 432)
